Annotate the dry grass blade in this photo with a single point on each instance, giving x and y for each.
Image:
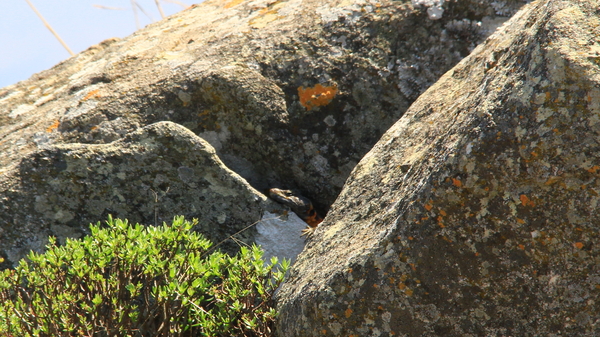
(162, 14)
(184, 5)
(111, 8)
(50, 28)
(137, 20)
(142, 10)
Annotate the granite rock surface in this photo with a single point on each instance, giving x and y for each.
(142, 177)
(476, 214)
(289, 94)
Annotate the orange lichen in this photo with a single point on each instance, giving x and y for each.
(266, 15)
(93, 93)
(428, 207)
(593, 169)
(233, 3)
(348, 312)
(579, 245)
(456, 182)
(316, 96)
(525, 201)
(53, 126)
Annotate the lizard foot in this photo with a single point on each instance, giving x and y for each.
(308, 231)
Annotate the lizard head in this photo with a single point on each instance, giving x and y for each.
(300, 205)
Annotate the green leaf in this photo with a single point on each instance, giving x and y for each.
(97, 300)
(126, 273)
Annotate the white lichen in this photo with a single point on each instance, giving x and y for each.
(434, 7)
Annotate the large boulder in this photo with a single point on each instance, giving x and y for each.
(290, 94)
(476, 214)
(142, 177)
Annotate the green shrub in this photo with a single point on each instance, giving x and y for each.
(139, 281)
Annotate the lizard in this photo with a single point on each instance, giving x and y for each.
(300, 205)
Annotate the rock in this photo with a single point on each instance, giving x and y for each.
(149, 176)
(476, 213)
(280, 236)
(290, 94)
(243, 75)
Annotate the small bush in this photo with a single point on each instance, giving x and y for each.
(139, 281)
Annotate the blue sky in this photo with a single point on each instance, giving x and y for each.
(28, 47)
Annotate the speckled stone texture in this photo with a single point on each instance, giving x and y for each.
(231, 70)
(476, 214)
(290, 94)
(143, 177)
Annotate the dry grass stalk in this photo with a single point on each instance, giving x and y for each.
(50, 28)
